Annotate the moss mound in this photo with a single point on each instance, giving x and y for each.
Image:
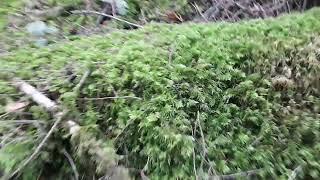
(175, 101)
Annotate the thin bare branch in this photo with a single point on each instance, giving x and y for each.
(236, 175)
(18, 139)
(22, 121)
(72, 164)
(194, 130)
(59, 117)
(82, 81)
(9, 135)
(10, 94)
(114, 97)
(50, 106)
(106, 15)
(204, 149)
(47, 103)
(196, 7)
(295, 173)
(5, 114)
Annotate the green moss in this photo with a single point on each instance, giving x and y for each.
(217, 76)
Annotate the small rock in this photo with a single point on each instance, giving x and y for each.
(41, 42)
(37, 28)
(121, 6)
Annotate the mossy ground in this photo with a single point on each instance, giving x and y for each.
(205, 98)
(7, 7)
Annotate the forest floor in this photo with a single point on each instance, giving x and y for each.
(186, 90)
(75, 18)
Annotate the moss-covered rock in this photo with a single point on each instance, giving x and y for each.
(180, 100)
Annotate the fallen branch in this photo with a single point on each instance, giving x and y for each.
(106, 15)
(50, 106)
(101, 155)
(59, 117)
(36, 96)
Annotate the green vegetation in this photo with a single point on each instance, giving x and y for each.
(212, 98)
(6, 7)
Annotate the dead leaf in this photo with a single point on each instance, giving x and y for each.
(173, 17)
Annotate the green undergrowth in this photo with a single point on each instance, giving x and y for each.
(7, 7)
(205, 99)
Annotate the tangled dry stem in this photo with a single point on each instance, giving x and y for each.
(235, 10)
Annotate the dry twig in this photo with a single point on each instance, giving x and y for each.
(196, 7)
(22, 121)
(194, 130)
(82, 81)
(236, 175)
(59, 116)
(72, 164)
(45, 102)
(106, 15)
(204, 149)
(114, 97)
